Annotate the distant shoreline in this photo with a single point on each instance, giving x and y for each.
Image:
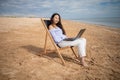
(85, 22)
(18, 17)
(110, 22)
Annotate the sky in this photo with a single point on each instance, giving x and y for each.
(68, 9)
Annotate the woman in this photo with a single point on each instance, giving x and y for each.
(59, 36)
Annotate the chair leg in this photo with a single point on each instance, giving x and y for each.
(61, 57)
(45, 44)
(74, 52)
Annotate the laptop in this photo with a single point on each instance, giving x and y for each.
(78, 36)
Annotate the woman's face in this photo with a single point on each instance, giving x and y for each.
(55, 19)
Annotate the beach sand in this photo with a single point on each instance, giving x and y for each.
(22, 57)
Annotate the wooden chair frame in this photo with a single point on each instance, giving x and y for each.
(57, 49)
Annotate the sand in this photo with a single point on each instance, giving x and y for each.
(22, 57)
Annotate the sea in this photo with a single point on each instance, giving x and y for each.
(110, 21)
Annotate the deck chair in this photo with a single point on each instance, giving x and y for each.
(46, 22)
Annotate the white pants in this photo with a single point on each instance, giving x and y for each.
(80, 43)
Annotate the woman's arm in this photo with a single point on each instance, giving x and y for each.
(50, 27)
(54, 35)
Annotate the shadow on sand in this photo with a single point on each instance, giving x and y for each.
(50, 55)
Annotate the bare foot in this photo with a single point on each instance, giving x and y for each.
(82, 61)
(84, 64)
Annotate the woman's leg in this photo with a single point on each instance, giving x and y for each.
(82, 51)
(81, 43)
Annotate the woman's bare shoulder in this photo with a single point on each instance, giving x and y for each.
(50, 27)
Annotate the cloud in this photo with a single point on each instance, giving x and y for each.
(67, 8)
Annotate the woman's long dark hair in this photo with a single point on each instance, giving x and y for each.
(59, 24)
